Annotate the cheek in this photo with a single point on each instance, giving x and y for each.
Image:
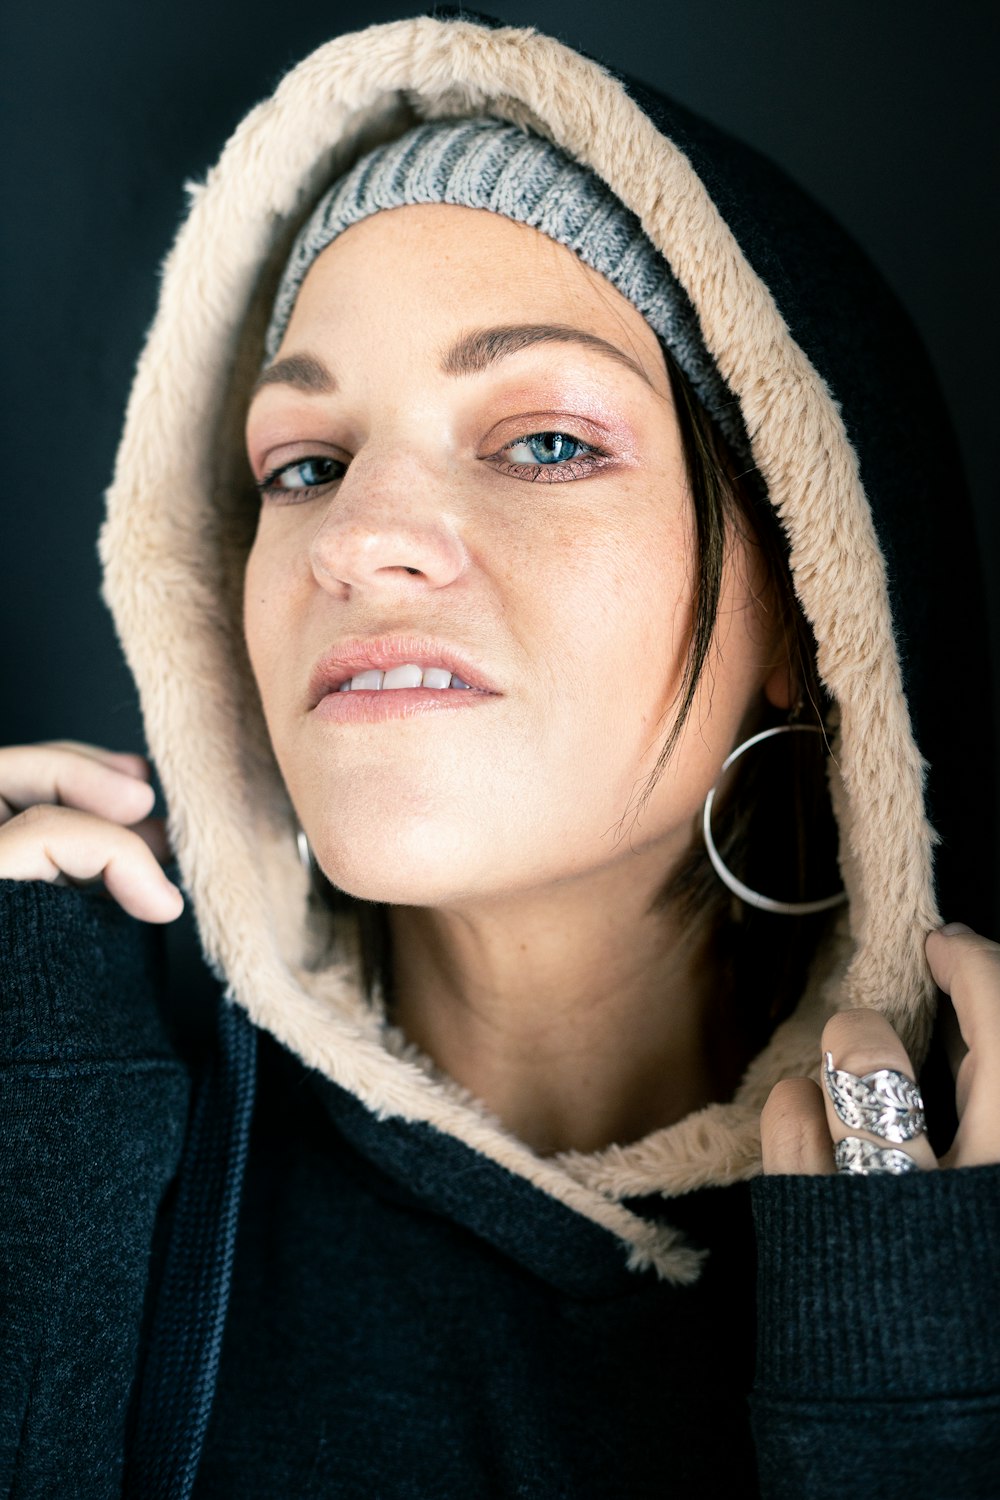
(623, 603)
(269, 606)
(617, 600)
(648, 611)
(255, 613)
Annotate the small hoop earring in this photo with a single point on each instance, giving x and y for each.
(306, 857)
(754, 898)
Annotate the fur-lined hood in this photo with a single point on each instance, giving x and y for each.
(832, 394)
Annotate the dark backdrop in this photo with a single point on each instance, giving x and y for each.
(882, 108)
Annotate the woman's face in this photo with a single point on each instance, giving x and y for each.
(419, 509)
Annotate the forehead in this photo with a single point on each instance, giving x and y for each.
(426, 270)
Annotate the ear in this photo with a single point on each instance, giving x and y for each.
(780, 687)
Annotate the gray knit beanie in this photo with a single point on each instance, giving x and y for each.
(485, 163)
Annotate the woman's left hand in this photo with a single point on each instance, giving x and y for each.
(800, 1125)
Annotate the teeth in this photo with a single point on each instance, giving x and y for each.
(370, 680)
(408, 676)
(403, 677)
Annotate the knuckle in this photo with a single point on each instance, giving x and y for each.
(44, 813)
(52, 817)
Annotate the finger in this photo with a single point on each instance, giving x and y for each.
(119, 760)
(47, 843)
(977, 1139)
(57, 775)
(793, 1131)
(862, 1042)
(966, 966)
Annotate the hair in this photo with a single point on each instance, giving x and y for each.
(773, 826)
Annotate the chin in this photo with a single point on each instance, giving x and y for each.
(411, 866)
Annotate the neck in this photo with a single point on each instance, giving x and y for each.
(576, 1015)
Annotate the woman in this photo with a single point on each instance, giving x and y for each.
(479, 497)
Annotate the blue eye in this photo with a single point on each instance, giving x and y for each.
(557, 455)
(300, 477)
(547, 448)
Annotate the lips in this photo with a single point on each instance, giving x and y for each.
(351, 657)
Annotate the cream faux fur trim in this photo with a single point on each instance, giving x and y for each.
(175, 539)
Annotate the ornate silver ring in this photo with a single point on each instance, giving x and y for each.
(861, 1158)
(885, 1103)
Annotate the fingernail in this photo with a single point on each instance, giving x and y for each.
(952, 927)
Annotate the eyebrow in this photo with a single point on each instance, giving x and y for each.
(471, 354)
(478, 351)
(303, 371)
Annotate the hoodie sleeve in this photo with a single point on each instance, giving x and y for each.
(93, 1102)
(878, 1358)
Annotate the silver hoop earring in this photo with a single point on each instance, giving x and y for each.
(306, 857)
(754, 898)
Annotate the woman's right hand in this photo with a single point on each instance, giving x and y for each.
(73, 813)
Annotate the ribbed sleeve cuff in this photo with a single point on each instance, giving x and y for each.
(78, 976)
(879, 1287)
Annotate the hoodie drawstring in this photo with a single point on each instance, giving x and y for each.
(178, 1378)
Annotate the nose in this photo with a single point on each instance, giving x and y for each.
(388, 530)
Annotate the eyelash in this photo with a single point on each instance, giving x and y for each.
(591, 459)
(269, 488)
(587, 462)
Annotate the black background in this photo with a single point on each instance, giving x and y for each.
(884, 109)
